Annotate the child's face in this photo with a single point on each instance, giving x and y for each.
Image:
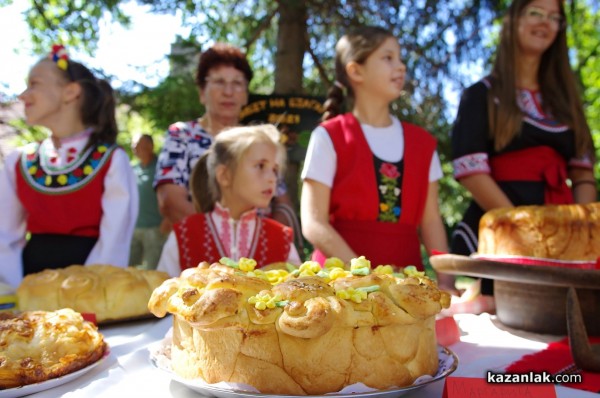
(255, 178)
(43, 96)
(383, 72)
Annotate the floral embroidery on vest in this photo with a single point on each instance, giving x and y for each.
(37, 170)
(389, 182)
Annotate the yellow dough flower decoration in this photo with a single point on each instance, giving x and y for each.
(360, 266)
(264, 300)
(276, 276)
(411, 270)
(333, 262)
(384, 269)
(309, 268)
(352, 294)
(247, 264)
(336, 273)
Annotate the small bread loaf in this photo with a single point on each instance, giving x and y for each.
(562, 232)
(36, 346)
(310, 331)
(109, 292)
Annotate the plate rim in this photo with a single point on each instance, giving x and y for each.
(457, 264)
(54, 382)
(242, 393)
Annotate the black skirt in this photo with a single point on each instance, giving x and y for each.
(44, 251)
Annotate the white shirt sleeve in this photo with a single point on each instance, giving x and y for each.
(119, 213)
(435, 169)
(13, 225)
(321, 160)
(169, 258)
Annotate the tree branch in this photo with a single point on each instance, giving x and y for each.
(41, 11)
(264, 25)
(318, 64)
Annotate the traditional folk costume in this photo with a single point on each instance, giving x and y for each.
(379, 178)
(531, 170)
(80, 207)
(185, 143)
(213, 235)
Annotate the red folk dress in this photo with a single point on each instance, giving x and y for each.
(358, 211)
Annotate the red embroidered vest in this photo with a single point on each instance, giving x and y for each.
(354, 206)
(197, 241)
(66, 201)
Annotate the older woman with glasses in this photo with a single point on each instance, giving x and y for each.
(222, 77)
(521, 132)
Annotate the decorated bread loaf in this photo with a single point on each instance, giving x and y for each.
(563, 232)
(304, 331)
(109, 292)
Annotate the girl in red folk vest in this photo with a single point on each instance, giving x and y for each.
(75, 192)
(370, 181)
(234, 178)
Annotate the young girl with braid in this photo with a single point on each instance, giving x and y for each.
(74, 192)
(370, 181)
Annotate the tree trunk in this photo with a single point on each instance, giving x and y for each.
(291, 46)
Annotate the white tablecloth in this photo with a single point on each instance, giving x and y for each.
(127, 372)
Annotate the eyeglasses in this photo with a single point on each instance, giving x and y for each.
(237, 86)
(535, 15)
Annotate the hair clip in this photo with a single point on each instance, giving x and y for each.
(59, 56)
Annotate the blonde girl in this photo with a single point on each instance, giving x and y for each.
(233, 179)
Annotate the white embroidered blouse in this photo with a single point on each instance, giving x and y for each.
(119, 207)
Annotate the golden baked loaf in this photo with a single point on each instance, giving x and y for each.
(36, 346)
(310, 331)
(563, 232)
(109, 292)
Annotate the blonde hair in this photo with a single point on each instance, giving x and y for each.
(228, 149)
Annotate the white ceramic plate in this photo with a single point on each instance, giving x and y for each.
(48, 384)
(448, 361)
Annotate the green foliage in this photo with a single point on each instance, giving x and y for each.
(74, 23)
(584, 38)
(441, 40)
(175, 98)
(26, 133)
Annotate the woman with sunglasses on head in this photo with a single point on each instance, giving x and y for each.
(74, 192)
(222, 76)
(521, 132)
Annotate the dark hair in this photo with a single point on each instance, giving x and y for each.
(147, 137)
(97, 105)
(222, 54)
(355, 46)
(557, 85)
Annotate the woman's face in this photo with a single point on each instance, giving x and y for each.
(225, 92)
(538, 25)
(43, 97)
